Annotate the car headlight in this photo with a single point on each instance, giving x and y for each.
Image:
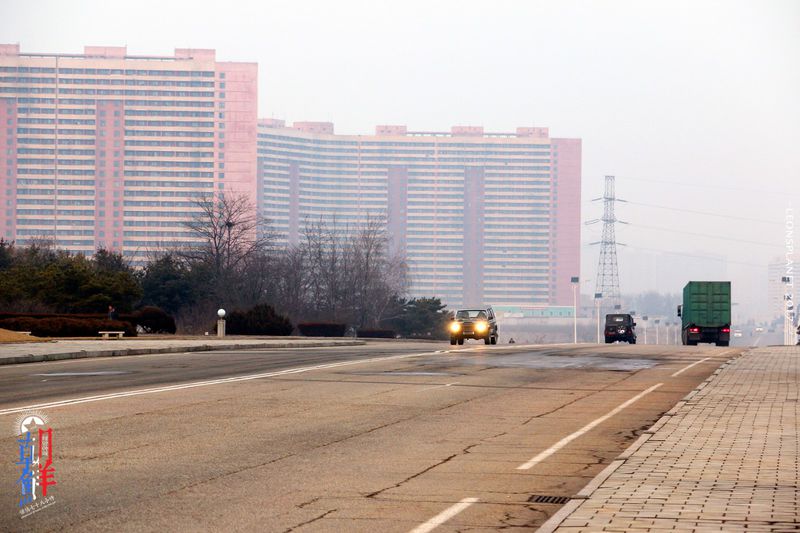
(480, 327)
(455, 327)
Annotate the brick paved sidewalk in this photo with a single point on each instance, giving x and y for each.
(725, 459)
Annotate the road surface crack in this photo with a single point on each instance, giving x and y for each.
(413, 476)
(307, 522)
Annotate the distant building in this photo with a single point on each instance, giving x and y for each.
(106, 149)
(481, 217)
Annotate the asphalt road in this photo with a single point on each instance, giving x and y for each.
(382, 437)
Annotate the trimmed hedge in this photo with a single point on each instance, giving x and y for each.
(260, 320)
(66, 327)
(377, 333)
(322, 329)
(151, 319)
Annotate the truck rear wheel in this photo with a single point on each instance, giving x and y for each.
(453, 340)
(723, 343)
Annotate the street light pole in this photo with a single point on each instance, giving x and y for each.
(575, 280)
(657, 321)
(597, 297)
(644, 319)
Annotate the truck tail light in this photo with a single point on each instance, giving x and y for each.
(726, 330)
(694, 330)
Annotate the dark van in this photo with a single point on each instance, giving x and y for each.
(620, 328)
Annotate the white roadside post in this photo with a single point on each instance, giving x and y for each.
(575, 280)
(221, 323)
(657, 321)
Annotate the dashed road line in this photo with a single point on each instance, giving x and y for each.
(684, 369)
(444, 516)
(588, 427)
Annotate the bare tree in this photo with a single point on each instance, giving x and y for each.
(230, 229)
(232, 257)
(350, 275)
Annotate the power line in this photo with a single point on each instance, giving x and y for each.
(706, 235)
(695, 256)
(707, 213)
(714, 187)
(707, 258)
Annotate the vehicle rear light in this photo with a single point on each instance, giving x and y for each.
(694, 330)
(726, 330)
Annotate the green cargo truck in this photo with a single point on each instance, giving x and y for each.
(706, 312)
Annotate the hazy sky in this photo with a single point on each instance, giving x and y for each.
(693, 105)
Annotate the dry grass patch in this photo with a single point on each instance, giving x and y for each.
(15, 336)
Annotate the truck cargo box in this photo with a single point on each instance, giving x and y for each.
(707, 303)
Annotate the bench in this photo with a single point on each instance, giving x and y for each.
(108, 334)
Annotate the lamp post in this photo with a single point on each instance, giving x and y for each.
(597, 297)
(644, 319)
(221, 323)
(575, 280)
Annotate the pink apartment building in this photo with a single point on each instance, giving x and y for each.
(107, 149)
(481, 217)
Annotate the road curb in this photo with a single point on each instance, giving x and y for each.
(85, 354)
(649, 434)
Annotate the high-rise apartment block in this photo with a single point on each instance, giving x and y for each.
(481, 217)
(106, 149)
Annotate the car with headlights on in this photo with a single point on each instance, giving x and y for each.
(474, 323)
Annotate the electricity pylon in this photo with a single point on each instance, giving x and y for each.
(607, 283)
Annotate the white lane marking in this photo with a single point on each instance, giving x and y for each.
(139, 392)
(440, 386)
(444, 516)
(684, 369)
(588, 427)
(98, 373)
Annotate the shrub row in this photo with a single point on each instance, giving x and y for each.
(377, 333)
(260, 320)
(151, 319)
(322, 329)
(66, 327)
